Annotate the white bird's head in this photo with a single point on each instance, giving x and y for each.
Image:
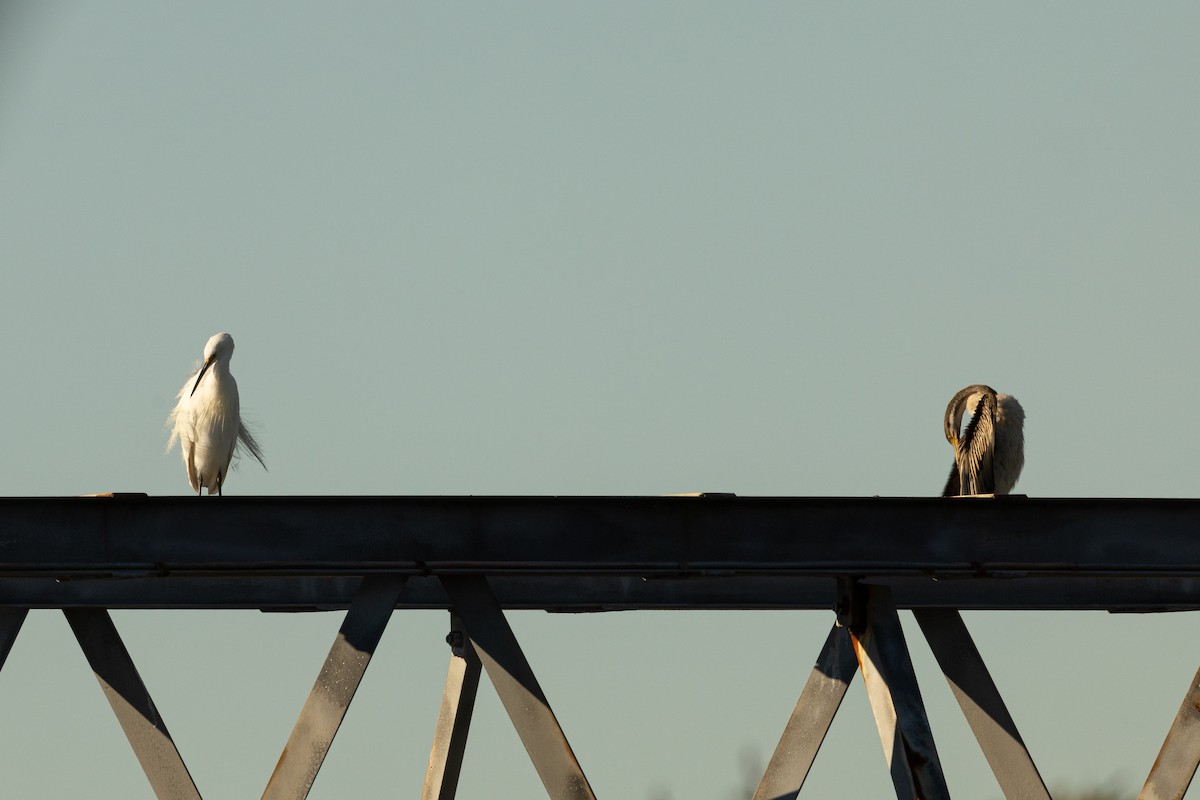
(219, 345)
(218, 348)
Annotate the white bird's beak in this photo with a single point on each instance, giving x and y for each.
(203, 369)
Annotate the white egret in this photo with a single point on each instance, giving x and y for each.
(207, 420)
(990, 453)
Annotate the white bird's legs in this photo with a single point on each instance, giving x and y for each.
(220, 482)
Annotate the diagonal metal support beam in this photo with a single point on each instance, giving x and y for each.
(11, 620)
(130, 701)
(981, 703)
(335, 686)
(454, 718)
(896, 702)
(810, 720)
(518, 688)
(1176, 764)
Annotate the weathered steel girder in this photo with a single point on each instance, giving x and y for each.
(477, 556)
(596, 553)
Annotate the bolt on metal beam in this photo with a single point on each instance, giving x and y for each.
(518, 688)
(334, 688)
(130, 701)
(810, 720)
(454, 716)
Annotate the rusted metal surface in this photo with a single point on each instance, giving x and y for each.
(130, 701)
(1176, 764)
(335, 687)
(518, 688)
(11, 620)
(896, 702)
(454, 717)
(982, 704)
(810, 720)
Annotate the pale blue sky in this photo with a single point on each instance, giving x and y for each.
(618, 248)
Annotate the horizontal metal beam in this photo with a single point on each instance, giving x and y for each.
(582, 593)
(643, 536)
(595, 553)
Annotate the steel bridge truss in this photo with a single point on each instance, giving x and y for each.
(476, 557)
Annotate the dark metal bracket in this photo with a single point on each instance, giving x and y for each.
(518, 688)
(868, 636)
(454, 716)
